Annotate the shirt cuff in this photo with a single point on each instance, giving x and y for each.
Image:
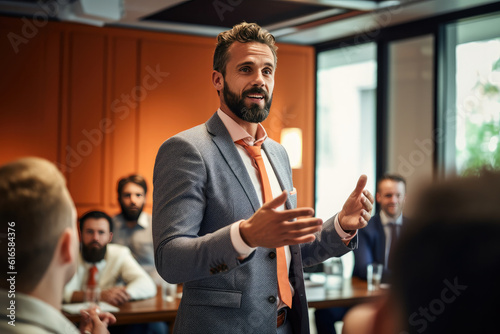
(239, 245)
(342, 234)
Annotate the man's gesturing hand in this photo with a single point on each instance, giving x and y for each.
(271, 228)
(356, 211)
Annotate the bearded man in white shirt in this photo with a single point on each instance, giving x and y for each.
(119, 276)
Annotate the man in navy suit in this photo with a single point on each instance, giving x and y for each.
(374, 242)
(375, 239)
(213, 231)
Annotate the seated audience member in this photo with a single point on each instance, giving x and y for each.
(446, 266)
(116, 272)
(374, 242)
(118, 275)
(377, 239)
(132, 227)
(39, 250)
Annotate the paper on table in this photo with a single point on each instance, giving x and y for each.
(75, 308)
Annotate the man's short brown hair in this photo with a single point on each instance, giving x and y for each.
(36, 205)
(134, 178)
(391, 177)
(243, 33)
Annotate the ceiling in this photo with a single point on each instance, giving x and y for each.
(306, 22)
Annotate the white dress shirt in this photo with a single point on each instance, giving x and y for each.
(237, 133)
(117, 268)
(386, 220)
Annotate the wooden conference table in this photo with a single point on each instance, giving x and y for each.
(141, 311)
(352, 291)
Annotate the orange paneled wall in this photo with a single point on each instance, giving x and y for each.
(100, 101)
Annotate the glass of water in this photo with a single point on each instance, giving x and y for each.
(374, 275)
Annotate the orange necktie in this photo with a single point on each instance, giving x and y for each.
(283, 284)
(91, 281)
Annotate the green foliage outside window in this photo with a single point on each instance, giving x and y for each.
(482, 128)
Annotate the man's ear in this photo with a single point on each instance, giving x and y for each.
(377, 197)
(217, 80)
(110, 236)
(67, 246)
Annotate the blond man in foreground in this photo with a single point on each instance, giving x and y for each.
(39, 246)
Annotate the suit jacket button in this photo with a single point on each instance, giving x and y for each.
(272, 255)
(271, 299)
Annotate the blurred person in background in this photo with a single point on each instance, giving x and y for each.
(446, 266)
(382, 232)
(113, 269)
(133, 226)
(116, 272)
(375, 242)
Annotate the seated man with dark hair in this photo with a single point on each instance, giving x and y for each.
(118, 274)
(39, 248)
(133, 226)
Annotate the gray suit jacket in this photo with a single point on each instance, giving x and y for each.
(201, 187)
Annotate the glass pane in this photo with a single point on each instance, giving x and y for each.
(475, 125)
(410, 115)
(345, 124)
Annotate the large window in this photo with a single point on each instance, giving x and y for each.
(345, 128)
(345, 124)
(472, 115)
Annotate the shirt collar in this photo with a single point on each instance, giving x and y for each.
(143, 220)
(237, 132)
(387, 220)
(100, 265)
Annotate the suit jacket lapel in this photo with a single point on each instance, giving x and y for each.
(222, 139)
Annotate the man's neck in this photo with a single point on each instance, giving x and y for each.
(132, 224)
(251, 128)
(386, 218)
(49, 290)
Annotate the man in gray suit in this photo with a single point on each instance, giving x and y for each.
(210, 228)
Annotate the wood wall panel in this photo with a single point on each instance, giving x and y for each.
(88, 123)
(29, 94)
(122, 110)
(293, 106)
(77, 81)
(183, 97)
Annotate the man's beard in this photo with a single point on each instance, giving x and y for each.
(129, 215)
(93, 254)
(252, 114)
